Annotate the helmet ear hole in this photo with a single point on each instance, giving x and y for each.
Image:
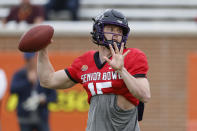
(97, 33)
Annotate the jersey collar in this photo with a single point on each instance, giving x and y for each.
(98, 61)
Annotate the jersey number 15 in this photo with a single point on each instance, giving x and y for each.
(99, 87)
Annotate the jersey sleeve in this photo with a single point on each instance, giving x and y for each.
(138, 67)
(73, 70)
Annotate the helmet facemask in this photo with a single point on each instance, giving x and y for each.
(106, 42)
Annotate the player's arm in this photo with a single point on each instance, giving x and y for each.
(47, 75)
(139, 87)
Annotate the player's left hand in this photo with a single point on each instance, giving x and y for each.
(117, 61)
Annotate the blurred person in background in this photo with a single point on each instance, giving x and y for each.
(57, 5)
(3, 86)
(32, 107)
(113, 76)
(26, 12)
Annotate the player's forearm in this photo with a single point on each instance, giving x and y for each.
(137, 88)
(44, 68)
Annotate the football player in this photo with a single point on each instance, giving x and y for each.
(114, 76)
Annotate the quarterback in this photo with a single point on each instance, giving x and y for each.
(113, 76)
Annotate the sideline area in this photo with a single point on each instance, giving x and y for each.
(83, 28)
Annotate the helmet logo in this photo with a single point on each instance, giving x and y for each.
(119, 21)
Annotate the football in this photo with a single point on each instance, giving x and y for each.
(36, 38)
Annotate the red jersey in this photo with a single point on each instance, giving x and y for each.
(99, 78)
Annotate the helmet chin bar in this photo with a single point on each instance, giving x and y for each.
(106, 42)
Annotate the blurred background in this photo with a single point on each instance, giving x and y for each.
(166, 30)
